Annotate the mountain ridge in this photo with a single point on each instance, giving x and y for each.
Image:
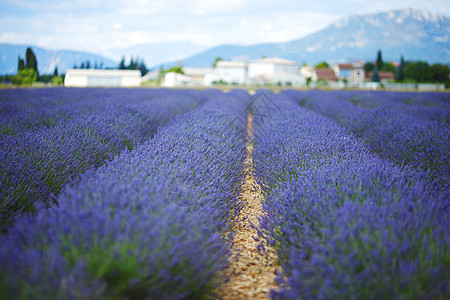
(415, 34)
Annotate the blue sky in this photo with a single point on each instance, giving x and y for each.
(98, 26)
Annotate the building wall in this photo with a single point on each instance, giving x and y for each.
(286, 68)
(232, 74)
(256, 69)
(102, 78)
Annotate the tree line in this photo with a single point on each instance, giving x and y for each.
(409, 71)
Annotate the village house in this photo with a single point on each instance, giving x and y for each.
(102, 78)
(384, 76)
(352, 74)
(174, 79)
(274, 70)
(227, 72)
(325, 75)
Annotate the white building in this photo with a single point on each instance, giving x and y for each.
(102, 78)
(353, 73)
(233, 72)
(173, 79)
(275, 70)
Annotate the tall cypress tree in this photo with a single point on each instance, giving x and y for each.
(375, 75)
(122, 64)
(31, 60)
(379, 60)
(21, 64)
(400, 75)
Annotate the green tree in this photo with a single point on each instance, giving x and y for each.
(368, 66)
(323, 65)
(25, 77)
(177, 69)
(419, 71)
(440, 72)
(399, 74)
(143, 68)
(375, 75)
(55, 72)
(57, 80)
(122, 63)
(218, 58)
(31, 60)
(379, 62)
(388, 67)
(88, 64)
(20, 64)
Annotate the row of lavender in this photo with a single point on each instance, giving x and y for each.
(48, 136)
(403, 127)
(147, 225)
(346, 223)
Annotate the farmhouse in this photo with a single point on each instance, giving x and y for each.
(274, 70)
(384, 76)
(105, 78)
(173, 79)
(352, 73)
(325, 75)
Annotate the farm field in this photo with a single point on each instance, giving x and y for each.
(191, 194)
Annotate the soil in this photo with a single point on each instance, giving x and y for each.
(251, 274)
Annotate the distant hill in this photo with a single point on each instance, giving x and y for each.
(415, 34)
(155, 54)
(48, 59)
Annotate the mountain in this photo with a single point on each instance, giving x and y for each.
(48, 59)
(155, 54)
(415, 34)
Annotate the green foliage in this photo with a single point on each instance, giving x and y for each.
(440, 72)
(419, 71)
(218, 58)
(375, 75)
(135, 64)
(25, 77)
(323, 65)
(368, 66)
(388, 67)
(57, 80)
(21, 64)
(399, 74)
(122, 63)
(379, 62)
(31, 60)
(177, 69)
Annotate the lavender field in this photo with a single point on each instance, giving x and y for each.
(133, 193)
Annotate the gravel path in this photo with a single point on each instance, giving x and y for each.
(251, 274)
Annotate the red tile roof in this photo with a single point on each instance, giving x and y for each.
(384, 75)
(326, 74)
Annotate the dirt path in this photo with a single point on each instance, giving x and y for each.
(251, 274)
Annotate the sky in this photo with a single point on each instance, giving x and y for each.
(98, 26)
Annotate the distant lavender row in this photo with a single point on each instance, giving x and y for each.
(147, 225)
(346, 223)
(37, 161)
(400, 132)
(31, 109)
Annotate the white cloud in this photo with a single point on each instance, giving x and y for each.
(96, 26)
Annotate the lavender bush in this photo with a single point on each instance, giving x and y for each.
(63, 135)
(346, 223)
(401, 132)
(146, 225)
